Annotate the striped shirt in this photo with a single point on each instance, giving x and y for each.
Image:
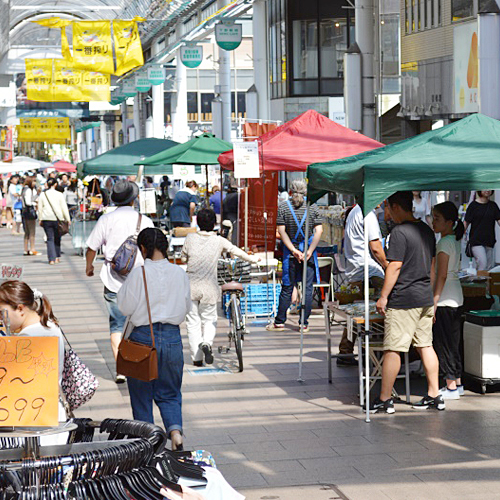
(285, 218)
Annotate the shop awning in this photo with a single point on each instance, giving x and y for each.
(309, 138)
(464, 155)
(122, 160)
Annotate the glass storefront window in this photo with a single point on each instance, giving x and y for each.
(277, 47)
(305, 49)
(333, 36)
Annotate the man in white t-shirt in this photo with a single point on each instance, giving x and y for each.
(109, 233)
(354, 250)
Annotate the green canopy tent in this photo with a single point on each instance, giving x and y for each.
(464, 155)
(123, 160)
(202, 150)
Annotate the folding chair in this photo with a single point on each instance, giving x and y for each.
(338, 272)
(325, 262)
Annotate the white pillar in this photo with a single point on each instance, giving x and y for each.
(158, 111)
(137, 116)
(260, 59)
(365, 34)
(104, 137)
(225, 85)
(179, 106)
(124, 121)
(489, 64)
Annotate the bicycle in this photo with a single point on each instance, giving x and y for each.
(231, 274)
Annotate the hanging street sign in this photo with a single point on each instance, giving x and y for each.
(228, 35)
(191, 55)
(128, 88)
(156, 75)
(142, 84)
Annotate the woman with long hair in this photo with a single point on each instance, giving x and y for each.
(169, 301)
(28, 198)
(30, 314)
(52, 208)
(448, 297)
(481, 215)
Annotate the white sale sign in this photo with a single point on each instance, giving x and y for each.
(246, 160)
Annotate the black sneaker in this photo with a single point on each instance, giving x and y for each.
(198, 363)
(386, 406)
(427, 403)
(346, 360)
(207, 351)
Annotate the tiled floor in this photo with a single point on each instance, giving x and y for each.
(276, 438)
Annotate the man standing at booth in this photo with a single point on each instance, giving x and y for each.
(407, 302)
(291, 221)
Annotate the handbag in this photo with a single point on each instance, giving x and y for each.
(28, 212)
(137, 360)
(78, 382)
(62, 225)
(96, 200)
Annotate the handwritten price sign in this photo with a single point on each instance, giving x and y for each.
(11, 272)
(29, 386)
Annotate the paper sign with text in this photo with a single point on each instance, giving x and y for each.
(29, 381)
(246, 160)
(11, 272)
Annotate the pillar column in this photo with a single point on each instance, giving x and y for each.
(225, 85)
(137, 116)
(179, 106)
(260, 65)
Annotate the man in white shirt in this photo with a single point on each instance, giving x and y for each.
(109, 233)
(355, 264)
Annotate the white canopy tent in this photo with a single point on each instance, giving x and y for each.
(22, 164)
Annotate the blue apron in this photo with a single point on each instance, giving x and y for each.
(300, 245)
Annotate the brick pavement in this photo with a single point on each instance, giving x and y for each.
(276, 438)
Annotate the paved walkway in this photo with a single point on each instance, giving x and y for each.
(276, 438)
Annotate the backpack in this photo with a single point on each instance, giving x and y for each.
(124, 259)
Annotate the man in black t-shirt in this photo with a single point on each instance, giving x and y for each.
(407, 302)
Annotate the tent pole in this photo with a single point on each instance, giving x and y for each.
(207, 198)
(304, 280)
(221, 196)
(246, 218)
(139, 173)
(367, 324)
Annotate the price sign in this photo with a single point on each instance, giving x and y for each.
(29, 385)
(246, 160)
(12, 272)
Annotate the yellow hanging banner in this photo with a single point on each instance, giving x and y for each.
(53, 130)
(92, 46)
(95, 86)
(53, 22)
(44, 130)
(39, 79)
(128, 48)
(26, 131)
(67, 81)
(61, 129)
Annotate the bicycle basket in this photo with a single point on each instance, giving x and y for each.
(238, 270)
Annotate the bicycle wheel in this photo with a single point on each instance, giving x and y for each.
(236, 330)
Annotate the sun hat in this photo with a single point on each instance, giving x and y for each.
(124, 192)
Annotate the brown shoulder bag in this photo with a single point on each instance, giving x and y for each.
(136, 360)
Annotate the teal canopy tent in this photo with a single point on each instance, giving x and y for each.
(122, 160)
(464, 155)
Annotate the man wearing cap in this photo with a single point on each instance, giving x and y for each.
(109, 233)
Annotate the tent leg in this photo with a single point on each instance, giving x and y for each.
(367, 325)
(304, 292)
(206, 193)
(221, 197)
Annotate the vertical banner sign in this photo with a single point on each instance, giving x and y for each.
(26, 131)
(96, 86)
(62, 129)
(256, 208)
(29, 388)
(67, 81)
(466, 68)
(142, 83)
(246, 160)
(156, 75)
(191, 55)
(128, 48)
(39, 79)
(44, 130)
(129, 87)
(228, 35)
(92, 46)
(8, 155)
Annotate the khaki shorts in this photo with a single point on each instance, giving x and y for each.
(404, 327)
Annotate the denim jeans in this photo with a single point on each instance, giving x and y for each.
(165, 391)
(53, 239)
(295, 274)
(116, 318)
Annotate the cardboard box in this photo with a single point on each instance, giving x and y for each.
(494, 283)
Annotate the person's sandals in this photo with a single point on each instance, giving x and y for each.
(198, 363)
(273, 327)
(34, 252)
(52, 263)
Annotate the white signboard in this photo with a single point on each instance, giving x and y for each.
(183, 171)
(228, 35)
(466, 68)
(246, 160)
(147, 201)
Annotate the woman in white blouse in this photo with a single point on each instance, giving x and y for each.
(170, 300)
(201, 251)
(28, 198)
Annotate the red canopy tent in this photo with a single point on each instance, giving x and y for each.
(309, 138)
(64, 166)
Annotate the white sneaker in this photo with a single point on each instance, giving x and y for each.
(461, 390)
(449, 394)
